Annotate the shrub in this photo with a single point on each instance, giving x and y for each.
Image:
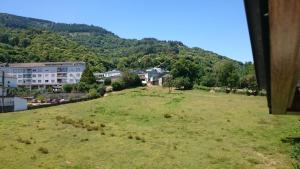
(93, 93)
(68, 88)
(118, 85)
(183, 83)
(41, 98)
(101, 90)
(107, 81)
(131, 80)
(82, 87)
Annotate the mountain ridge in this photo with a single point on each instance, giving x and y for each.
(25, 39)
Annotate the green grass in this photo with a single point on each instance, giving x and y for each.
(149, 128)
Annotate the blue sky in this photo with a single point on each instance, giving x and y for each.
(216, 25)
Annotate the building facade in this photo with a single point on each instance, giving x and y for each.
(153, 74)
(47, 74)
(9, 102)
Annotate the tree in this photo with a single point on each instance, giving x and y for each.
(107, 81)
(183, 83)
(14, 41)
(87, 76)
(208, 80)
(226, 73)
(248, 77)
(185, 72)
(249, 81)
(169, 83)
(68, 88)
(4, 38)
(131, 80)
(25, 42)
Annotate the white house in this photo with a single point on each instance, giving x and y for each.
(113, 73)
(45, 74)
(153, 75)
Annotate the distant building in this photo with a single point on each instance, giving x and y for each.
(141, 74)
(153, 75)
(99, 77)
(9, 102)
(113, 73)
(46, 74)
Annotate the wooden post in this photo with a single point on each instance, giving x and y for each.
(284, 20)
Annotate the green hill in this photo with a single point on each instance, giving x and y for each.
(27, 39)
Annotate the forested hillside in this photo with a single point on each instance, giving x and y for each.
(33, 40)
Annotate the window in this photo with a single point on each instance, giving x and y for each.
(46, 81)
(46, 75)
(39, 81)
(34, 75)
(71, 80)
(20, 76)
(19, 81)
(53, 75)
(77, 69)
(39, 75)
(52, 81)
(33, 81)
(78, 74)
(33, 70)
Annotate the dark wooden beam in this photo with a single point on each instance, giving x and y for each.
(284, 22)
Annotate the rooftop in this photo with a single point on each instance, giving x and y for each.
(39, 64)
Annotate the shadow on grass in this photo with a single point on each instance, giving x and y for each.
(295, 154)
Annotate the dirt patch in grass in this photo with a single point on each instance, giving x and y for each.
(43, 150)
(89, 126)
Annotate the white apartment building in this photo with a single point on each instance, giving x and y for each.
(9, 102)
(45, 74)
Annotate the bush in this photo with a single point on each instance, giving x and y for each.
(93, 93)
(68, 88)
(82, 87)
(118, 85)
(131, 80)
(101, 90)
(183, 83)
(41, 98)
(107, 81)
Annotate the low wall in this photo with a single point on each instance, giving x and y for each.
(57, 104)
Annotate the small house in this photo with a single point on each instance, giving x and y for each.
(153, 75)
(113, 74)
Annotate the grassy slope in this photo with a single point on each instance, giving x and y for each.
(205, 131)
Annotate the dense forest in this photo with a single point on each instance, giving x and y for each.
(33, 40)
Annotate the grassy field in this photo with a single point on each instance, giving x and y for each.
(149, 128)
